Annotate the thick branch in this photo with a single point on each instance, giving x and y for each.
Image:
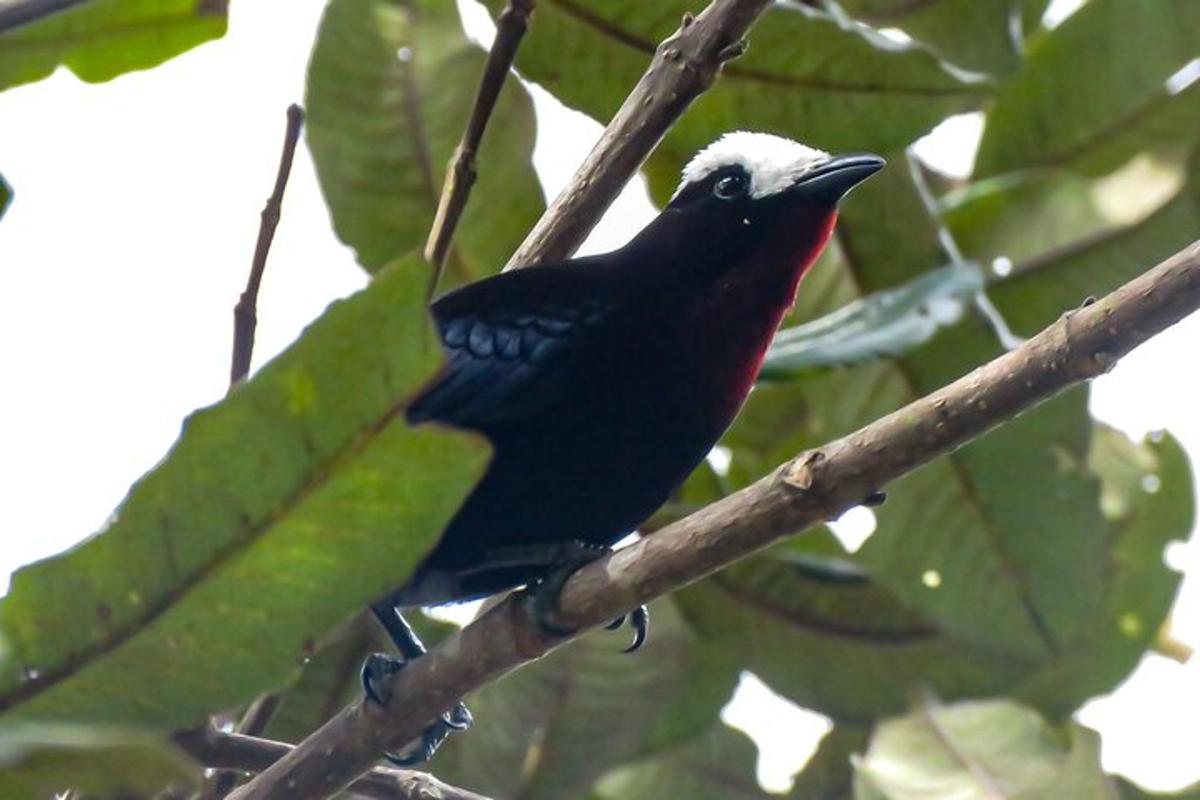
(683, 68)
(460, 176)
(235, 751)
(815, 486)
(245, 313)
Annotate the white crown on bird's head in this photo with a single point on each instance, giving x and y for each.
(773, 162)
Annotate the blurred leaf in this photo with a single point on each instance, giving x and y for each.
(717, 765)
(994, 750)
(552, 728)
(279, 512)
(38, 761)
(828, 774)
(883, 324)
(983, 35)
(1040, 288)
(804, 75)
(1114, 183)
(382, 129)
(1127, 790)
(102, 39)
(1102, 70)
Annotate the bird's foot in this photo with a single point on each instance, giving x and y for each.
(639, 621)
(379, 667)
(543, 596)
(875, 499)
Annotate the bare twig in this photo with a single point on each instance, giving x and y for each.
(461, 173)
(253, 722)
(245, 313)
(237, 751)
(815, 486)
(16, 13)
(683, 68)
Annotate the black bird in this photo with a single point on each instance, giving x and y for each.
(602, 382)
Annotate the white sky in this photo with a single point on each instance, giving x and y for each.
(127, 245)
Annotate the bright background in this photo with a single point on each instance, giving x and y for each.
(129, 239)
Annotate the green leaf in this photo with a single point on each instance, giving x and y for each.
(975, 34)
(1041, 288)
(883, 324)
(278, 513)
(382, 129)
(980, 751)
(552, 728)
(1127, 790)
(42, 760)
(6, 195)
(102, 39)
(804, 75)
(719, 765)
(1103, 69)
(1118, 181)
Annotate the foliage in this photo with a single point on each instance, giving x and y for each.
(102, 39)
(1013, 580)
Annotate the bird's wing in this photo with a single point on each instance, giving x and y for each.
(508, 342)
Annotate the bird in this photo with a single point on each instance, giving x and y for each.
(602, 382)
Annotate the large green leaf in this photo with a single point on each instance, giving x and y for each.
(804, 75)
(1034, 296)
(552, 728)
(994, 750)
(279, 512)
(1100, 71)
(102, 39)
(984, 35)
(382, 129)
(39, 761)
(1127, 790)
(1117, 181)
(719, 765)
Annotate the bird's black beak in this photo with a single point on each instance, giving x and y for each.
(831, 181)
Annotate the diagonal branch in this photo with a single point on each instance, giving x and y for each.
(236, 751)
(815, 486)
(460, 177)
(683, 68)
(16, 13)
(245, 313)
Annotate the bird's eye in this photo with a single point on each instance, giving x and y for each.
(730, 187)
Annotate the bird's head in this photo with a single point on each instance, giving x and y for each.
(751, 196)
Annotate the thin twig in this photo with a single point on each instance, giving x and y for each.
(22, 12)
(236, 751)
(683, 68)
(258, 715)
(245, 313)
(461, 173)
(815, 486)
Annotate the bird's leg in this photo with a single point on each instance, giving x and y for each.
(543, 595)
(379, 666)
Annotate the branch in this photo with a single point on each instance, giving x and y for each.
(813, 487)
(245, 313)
(461, 174)
(235, 751)
(22, 12)
(683, 68)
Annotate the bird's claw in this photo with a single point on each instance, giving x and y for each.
(639, 620)
(543, 596)
(379, 666)
(875, 499)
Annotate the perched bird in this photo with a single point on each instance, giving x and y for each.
(602, 382)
